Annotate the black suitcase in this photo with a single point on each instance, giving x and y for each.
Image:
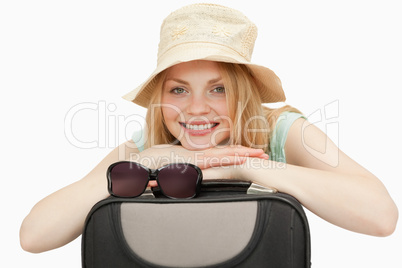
(225, 226)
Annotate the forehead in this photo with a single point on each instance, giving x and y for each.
(203, 67)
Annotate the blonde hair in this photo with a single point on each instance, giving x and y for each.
(251, 122)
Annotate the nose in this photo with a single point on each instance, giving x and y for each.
(198, 105)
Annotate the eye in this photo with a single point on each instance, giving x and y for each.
(220, 90)
(178, 90)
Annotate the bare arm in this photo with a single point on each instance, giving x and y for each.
(351, 196)
(330, 184)
(324, 180)
(59, 218)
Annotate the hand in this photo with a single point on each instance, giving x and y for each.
(160, 155)
(240, 172)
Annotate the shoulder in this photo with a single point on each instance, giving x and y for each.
(280, 133)
(309, 146)
(285, 121)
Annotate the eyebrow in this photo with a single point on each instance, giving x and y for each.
(180, 81)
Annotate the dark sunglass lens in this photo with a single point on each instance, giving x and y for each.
(178, 181)
(128, 179)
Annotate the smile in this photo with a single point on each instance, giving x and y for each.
(198, 126)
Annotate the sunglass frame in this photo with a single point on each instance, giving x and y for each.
(153, 175)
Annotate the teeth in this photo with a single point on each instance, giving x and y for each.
(199, 127)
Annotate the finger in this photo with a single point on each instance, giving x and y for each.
(152, 184)
(263, 156)
(238, 149)
(221, 161)
(251, 152)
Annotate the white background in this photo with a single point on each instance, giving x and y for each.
(343, 55)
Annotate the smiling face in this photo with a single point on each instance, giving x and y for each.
(194, 105)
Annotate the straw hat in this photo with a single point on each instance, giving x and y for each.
(209, 32)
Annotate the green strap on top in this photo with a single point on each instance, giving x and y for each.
(278, 138)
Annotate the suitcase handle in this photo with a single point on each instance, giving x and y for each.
(222, 185)
(234, 185)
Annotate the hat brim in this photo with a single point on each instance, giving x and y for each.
(269, 84)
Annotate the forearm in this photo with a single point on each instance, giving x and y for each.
(357, 203)
(59, 218)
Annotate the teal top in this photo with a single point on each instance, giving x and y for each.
(277, 142)
(278, 139)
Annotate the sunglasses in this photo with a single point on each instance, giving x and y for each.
(130, 179)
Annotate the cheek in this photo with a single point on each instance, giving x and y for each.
(168, 109)
(169, 115)
(221, 108)
(171, 106)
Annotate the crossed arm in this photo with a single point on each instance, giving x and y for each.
(330, 184)
(317, 173)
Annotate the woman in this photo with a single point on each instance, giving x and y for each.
(204, 105)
